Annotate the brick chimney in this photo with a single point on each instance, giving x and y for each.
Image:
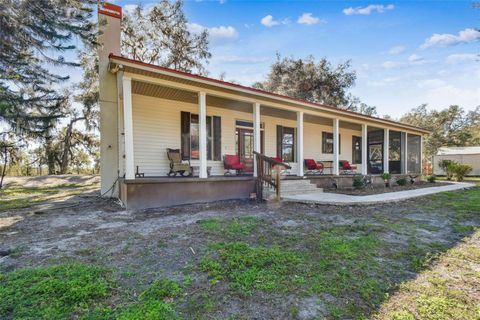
(109, 19)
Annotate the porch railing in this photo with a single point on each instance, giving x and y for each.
(268, 174)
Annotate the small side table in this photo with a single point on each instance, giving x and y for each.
(196, 171)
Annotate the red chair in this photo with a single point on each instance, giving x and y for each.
(313, 167)
(346, 167)
(232, 162)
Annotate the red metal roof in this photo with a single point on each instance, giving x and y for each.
(258, 91)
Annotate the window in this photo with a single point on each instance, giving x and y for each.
(414, 154)
(190, 140)
(395, 152)
(375, 152)
(195, 138)
(356, 149)
(327, 142)
(286, 143)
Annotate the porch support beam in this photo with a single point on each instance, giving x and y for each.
(256, 135)
(202, 136)
(364, 149)
(128, 128)
(300, 143)
(336, 151)
(386, 150)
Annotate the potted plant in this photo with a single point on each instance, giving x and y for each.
(386, 178)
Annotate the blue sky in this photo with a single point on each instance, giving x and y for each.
(405, 53)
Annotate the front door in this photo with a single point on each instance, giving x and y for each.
(244, 139)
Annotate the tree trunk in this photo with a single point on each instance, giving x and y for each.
(4, 170)
(66, 148)
(49, 155)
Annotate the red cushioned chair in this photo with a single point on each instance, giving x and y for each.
(232, 162)
(313, 167)
(346, 167)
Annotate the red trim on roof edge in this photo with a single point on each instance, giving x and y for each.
(254, 90)
(110, 9)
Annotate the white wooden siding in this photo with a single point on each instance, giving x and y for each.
(156, 127)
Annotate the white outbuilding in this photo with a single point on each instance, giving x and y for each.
(464, 155)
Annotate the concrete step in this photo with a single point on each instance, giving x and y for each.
(294, 187)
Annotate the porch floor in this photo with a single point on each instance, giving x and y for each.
(344, 199)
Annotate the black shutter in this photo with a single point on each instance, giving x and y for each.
(339, 144)
(279, 140)
(217, 138)
(185, 135)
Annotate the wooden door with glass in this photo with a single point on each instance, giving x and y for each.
(244, 144)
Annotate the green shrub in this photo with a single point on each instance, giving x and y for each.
(358, 182)
(460, 170)
(386, 176)
(446, 166)
(402, 181)
(431, 178)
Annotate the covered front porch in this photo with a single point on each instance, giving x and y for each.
(206, 123)
(205, 128)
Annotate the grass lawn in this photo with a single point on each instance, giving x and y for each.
(417, 259)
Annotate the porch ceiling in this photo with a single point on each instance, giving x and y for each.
(163, 92)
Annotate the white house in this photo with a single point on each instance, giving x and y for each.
(146, 109)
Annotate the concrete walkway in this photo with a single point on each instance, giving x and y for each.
(344, 199)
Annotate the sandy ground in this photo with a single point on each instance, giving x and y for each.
(42, 181)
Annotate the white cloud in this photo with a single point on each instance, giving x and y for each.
(383, 82)
(430, 83)
(462, 57)
(415, 58)
(216, 34)
(441, 93)
(268, 21)
(412, 60)
(380, 8)
(390, 64)
(130, 8)
(397, 50)
(308, 19)
(447, 39)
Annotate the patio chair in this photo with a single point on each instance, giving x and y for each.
(313, 167)
(346, 167)
(232, 162)
(177, 165)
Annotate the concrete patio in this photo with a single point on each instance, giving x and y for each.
(344, 199)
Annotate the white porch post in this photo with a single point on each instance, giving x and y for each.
(336, 151)
(421, 154)
(386, 150)
(300, 143)
(202, 136)
(405, 157)
(364, 149)
(128, 128)
(256, 135)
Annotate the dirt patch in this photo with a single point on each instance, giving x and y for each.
(392, 241)
(43, 181)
